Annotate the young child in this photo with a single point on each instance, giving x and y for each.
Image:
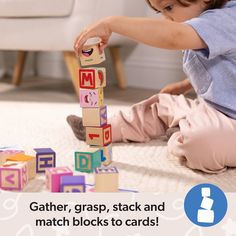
(206, 32)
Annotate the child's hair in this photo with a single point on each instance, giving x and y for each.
(210, 4)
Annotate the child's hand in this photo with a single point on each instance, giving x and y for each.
(99, 29)
(177, 88)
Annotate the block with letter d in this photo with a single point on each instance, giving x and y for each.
(99, 136)
(94, 116)
(91, 78)
(53, 177)
(86, 161)
(73, 184)
(45, 158)
(91, 97)
(13, 175)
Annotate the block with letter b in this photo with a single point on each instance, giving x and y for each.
(106, 179)
(91, 78)
(86, 161)
(94, 116)
(91, 97)
(13, 175)
(73, 184)
(45, 158)
(90, 54)
(99, 136)
(53, 177)
(106, 154)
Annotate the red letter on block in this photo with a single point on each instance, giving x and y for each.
(87, 78)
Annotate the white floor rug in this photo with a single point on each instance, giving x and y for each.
(143, 167)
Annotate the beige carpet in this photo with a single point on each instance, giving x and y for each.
(143, 167)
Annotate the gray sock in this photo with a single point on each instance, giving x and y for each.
(77, 127)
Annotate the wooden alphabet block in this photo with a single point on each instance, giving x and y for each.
(45, 158)
(91, 78)
(5, 153)
(91, 97)
(73, 184)
(106, 179)
(13, 175)
(53, 177)
(99, 136)
(106, 154)
(86, 161)
(30, 160)
(90, 54)
(94, 116)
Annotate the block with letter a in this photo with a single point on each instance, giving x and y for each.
(99, 136)
(91, 78)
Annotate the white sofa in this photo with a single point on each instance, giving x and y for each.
(52, 25)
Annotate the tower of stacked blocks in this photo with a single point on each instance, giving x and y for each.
(98, 157)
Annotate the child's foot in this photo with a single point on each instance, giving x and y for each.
(76, 124)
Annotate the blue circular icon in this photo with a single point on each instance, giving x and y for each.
(205, 205)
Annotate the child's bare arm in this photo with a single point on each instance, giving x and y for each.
(159, 33)
(180, 87)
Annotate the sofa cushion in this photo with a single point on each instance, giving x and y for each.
(36, 8)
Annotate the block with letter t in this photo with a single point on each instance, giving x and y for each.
(99, 136)
(87, 160)
(91, 78)
(13, 175)
(45, 158)
(94, 116)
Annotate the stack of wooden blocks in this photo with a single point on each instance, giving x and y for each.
(17, 168)
(98, 157)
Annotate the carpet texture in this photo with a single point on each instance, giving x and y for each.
(143, 167)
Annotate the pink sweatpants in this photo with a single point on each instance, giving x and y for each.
(207, 137)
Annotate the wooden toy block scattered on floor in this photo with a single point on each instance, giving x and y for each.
(4, 154)
(13, 175)
(106, 179)
(53, 176)
(86, 161)
(99, 136)
(30, 160)
(91, 78)
(94, 116)
(45, 158)
(91, 97)
(90, 54)
(73, 184)
(106, 154)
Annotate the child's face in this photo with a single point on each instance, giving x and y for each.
(174, 11)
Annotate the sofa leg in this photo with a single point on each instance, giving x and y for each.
(118, 66)
(19, 67)
(72, 66)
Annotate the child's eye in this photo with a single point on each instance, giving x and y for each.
(168, 8)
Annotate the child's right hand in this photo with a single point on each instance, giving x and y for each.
(99, 29)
